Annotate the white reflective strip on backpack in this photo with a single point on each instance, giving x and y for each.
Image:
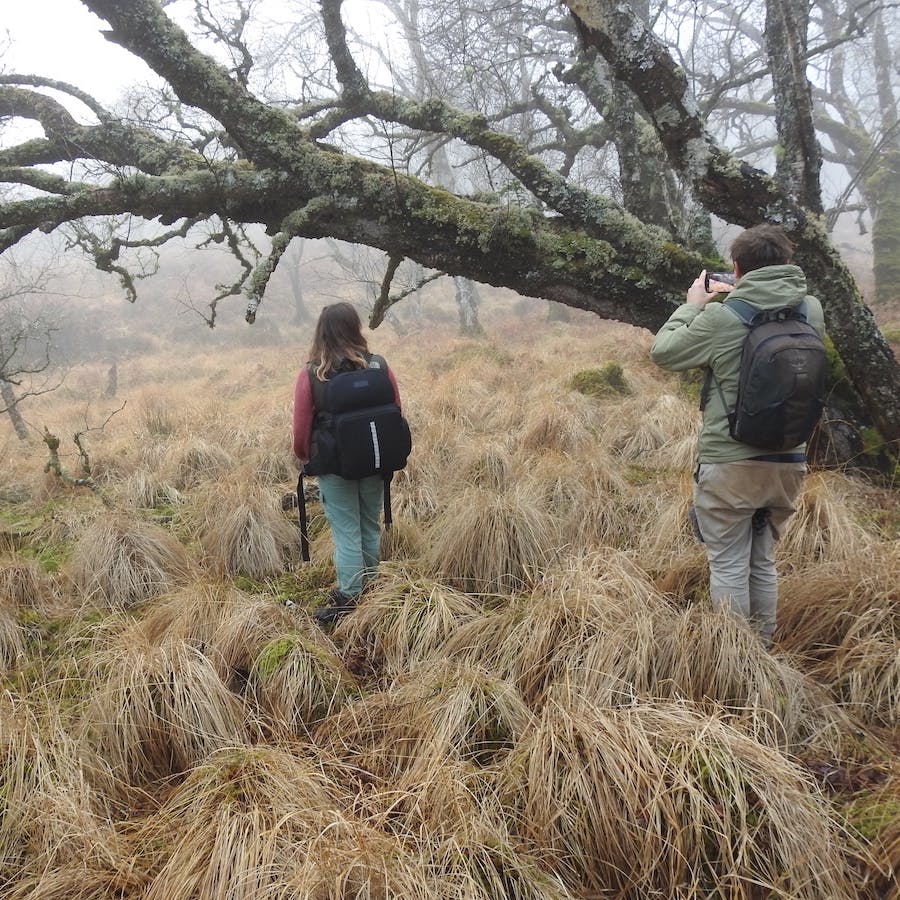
(375, 445)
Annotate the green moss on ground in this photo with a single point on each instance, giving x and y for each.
(607, 381)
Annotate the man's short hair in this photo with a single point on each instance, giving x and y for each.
(762, 245)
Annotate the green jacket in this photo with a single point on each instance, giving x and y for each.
(713, 336)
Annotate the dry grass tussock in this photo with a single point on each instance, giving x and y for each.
(660, 801)
(714, 660)
(51, 814)
(558, 423)
(452, 814)
(146, 488)
(664, 534)
(298, 679)
(238, 825)
(12, 637)
(650, 428)
(825, 526)
(248, 626)
(192, 613)
(486, 541)
(192, 462)
(588, 496)
(532, 640)
(158, 710)
(120, 560)
(819, 606)
(243, 530)
(403, 620)
(865, 671)
(486, 464)
(24, 583)
(402, 541)
(158, 415)
(843, 621)
(437, 714)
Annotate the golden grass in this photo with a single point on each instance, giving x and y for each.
(50, 815)
(351, 859)
(404, 540)
(192, 613)
(298, 679)
(24, 583)
(238, 825)
(486, 464)
(439, 713)
(404, 620)
(87, 880)
(820, 605)
(243, 530)
(843, 621)
(558, 423)
(532, 640)
(865, 670)
(650, 428)
(246, 628)
(824, 527)
(484, 541)
(148, 489)
(158, 710)
(12, 637)
(661, 801)
(193, 462)
(121, 560)
(589, 497)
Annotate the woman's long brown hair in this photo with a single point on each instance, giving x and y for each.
(338, 340)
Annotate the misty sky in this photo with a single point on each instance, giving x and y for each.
(60, 39)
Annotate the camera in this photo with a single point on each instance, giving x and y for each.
(724, 277)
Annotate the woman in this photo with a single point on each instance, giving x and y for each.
(352, 506)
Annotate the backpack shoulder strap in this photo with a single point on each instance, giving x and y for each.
(747, 312)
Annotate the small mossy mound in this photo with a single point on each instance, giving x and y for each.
(607, 381)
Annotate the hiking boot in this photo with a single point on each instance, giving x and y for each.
(341, 604)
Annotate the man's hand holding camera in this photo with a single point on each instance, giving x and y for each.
(706, 285)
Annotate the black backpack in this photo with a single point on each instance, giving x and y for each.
(358, 430)
(781, 386)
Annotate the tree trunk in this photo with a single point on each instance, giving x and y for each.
(467, 302)
(11, 404)
(885, 183)
(301, 314)
(798, 158)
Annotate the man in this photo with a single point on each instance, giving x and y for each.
(743, 495)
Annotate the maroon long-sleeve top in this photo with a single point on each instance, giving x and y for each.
(305, 411)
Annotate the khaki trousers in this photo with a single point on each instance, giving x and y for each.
(740, 540)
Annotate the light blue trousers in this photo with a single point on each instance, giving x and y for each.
(353, 510)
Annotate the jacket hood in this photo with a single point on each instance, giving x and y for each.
(772, 286)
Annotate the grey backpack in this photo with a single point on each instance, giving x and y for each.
(781, 386)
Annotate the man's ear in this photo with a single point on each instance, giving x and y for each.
(737, 270)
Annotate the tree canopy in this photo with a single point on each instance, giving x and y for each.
(481, 154)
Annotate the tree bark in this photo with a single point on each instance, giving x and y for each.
(11, 404)
(798, 157)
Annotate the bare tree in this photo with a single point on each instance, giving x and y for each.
(545, 226)
(26, 339)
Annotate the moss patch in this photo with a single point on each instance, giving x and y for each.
(608, 380)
